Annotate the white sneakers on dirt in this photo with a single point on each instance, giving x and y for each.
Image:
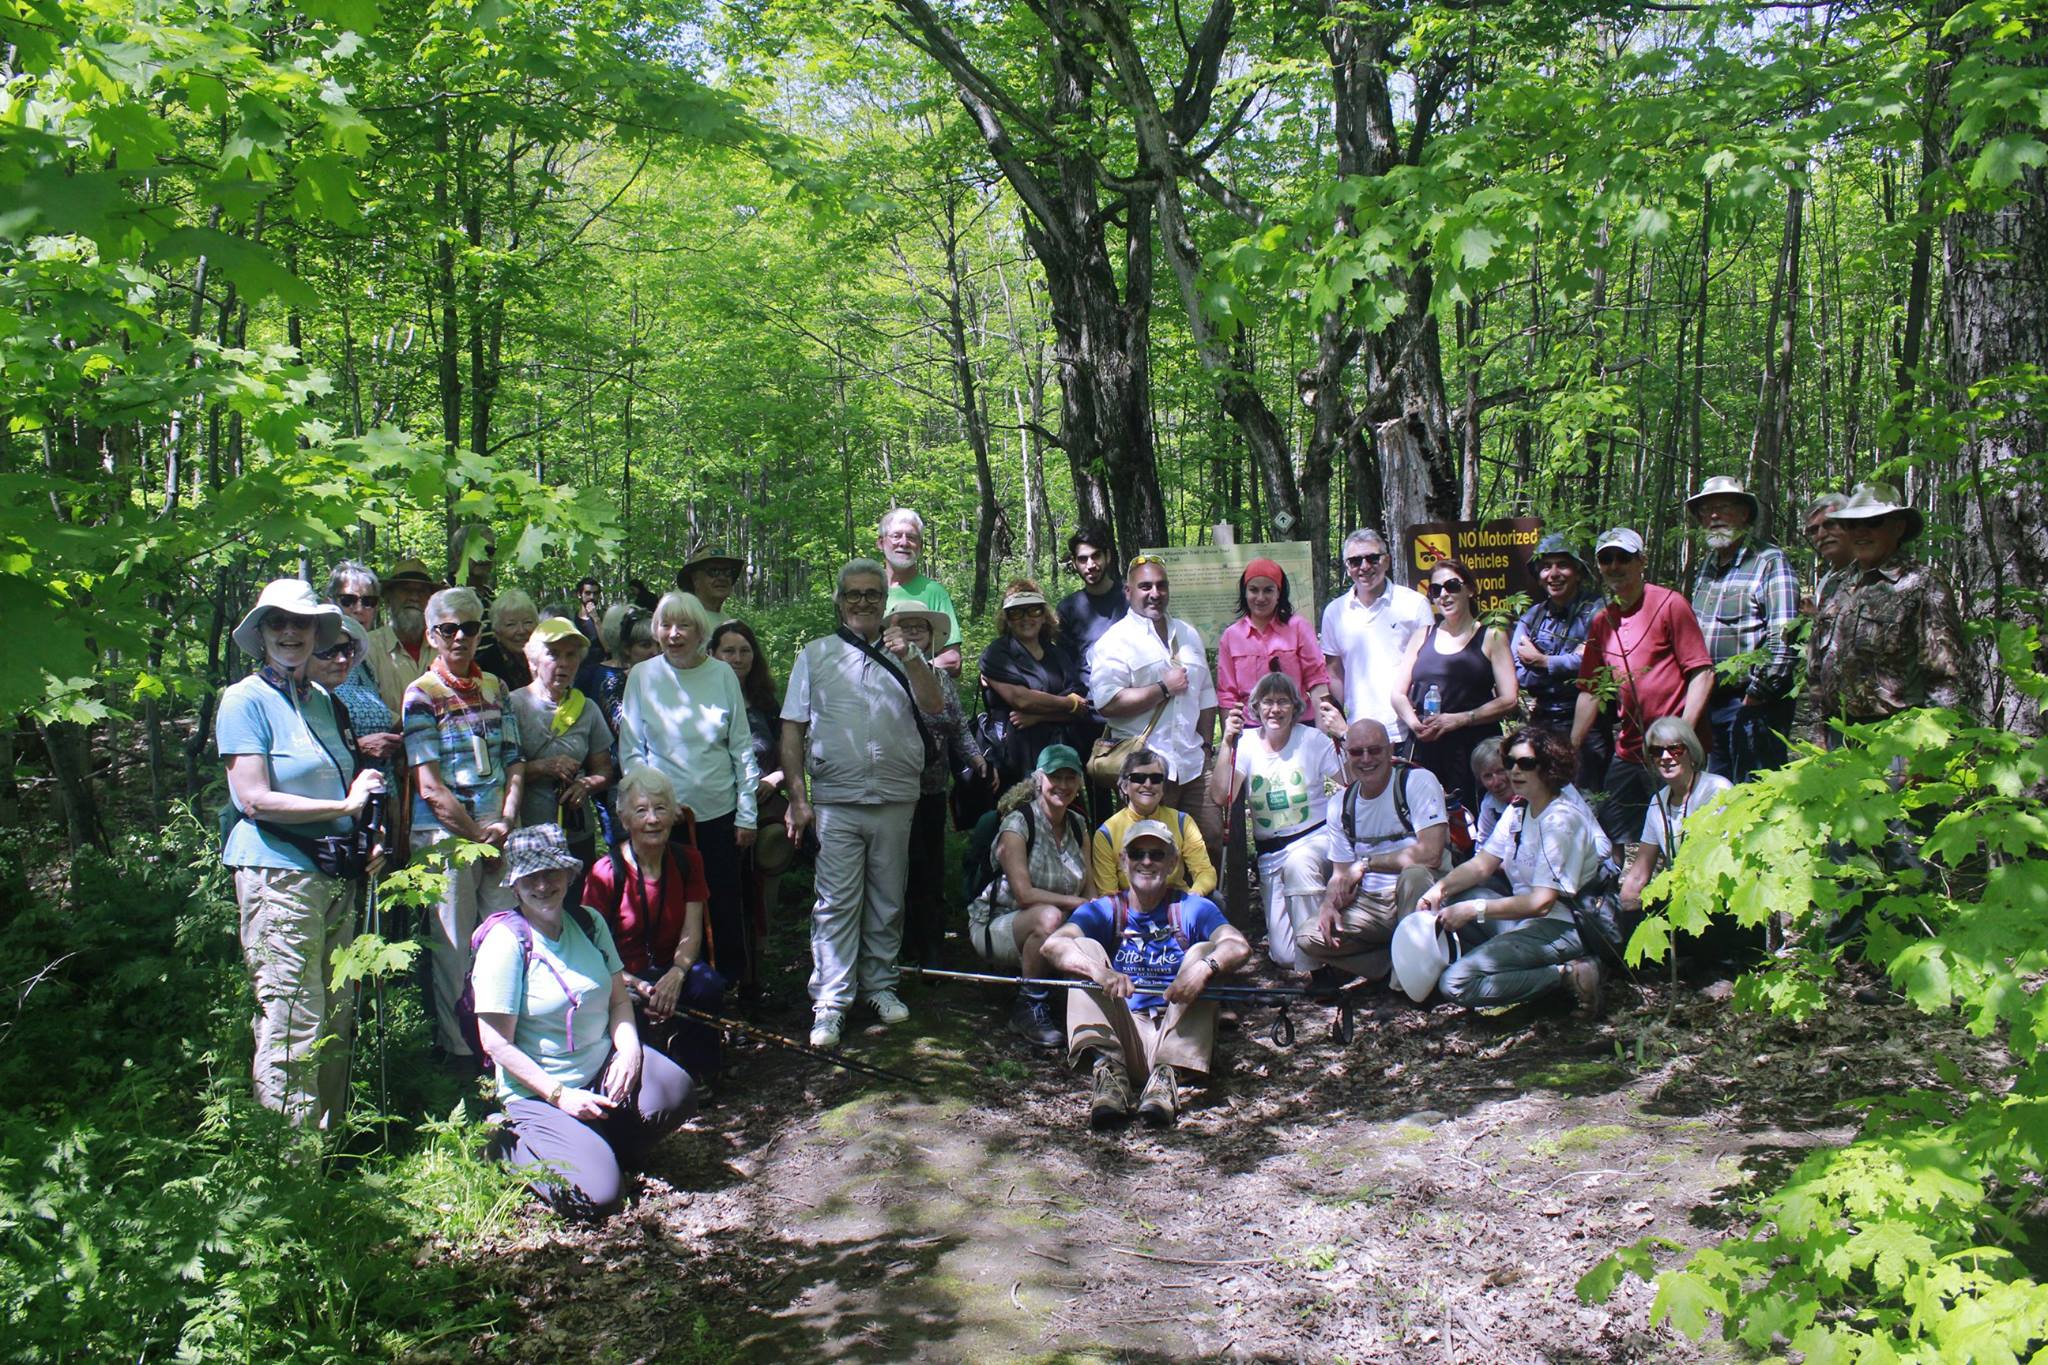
(825, 1028)
(889, 1006)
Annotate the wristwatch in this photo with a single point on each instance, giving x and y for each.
(555, 1095)
(1482, 911)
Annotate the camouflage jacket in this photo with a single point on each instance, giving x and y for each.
(1886, 640)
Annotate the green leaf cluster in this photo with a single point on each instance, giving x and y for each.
(1910, 1242)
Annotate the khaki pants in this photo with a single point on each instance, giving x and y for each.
(1364, 927)
(470, 894)
(292, 924)
(1182, 1036)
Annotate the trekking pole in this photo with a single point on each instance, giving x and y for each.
(1280, 997)
(834, 1056)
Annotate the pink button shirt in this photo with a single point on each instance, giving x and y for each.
(1245, 653)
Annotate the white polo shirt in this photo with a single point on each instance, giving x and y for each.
(1370, 640)
(1131, 654)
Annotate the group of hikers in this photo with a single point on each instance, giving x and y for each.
(1454, 807)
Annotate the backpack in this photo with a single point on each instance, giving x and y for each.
(465, 1004)
(979, 870)
(1401, 771)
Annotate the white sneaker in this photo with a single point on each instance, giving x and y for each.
(890, 1006)
(825, 1028)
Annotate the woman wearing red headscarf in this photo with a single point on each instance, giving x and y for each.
(1268, 637)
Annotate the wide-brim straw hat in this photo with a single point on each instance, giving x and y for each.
(293, 596)
(1724, 486)
(907, 609)
(1872, 501)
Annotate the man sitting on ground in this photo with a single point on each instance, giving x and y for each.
(1149, 934)
(1387, 832)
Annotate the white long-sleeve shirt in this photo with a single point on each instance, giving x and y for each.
(1131, 654)
(691, 723)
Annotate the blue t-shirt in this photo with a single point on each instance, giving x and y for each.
(1148, 947)
(306, 757)
(571, 968)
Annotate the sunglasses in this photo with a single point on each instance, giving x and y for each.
(1142, 560)
(334, 653)
(1148, 855)
(448, 630)
(1365, 753)
(1609, 558)
(1673, 751)
(1450, 587)
(1143, 778)
(1527, 763)
(348, 600)
(1359, 561)
(1032, 610)
(285, 620)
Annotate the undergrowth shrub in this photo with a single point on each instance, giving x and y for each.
(1910, 1242)
(149, 1208)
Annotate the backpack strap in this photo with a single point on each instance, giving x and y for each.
(1401, 800)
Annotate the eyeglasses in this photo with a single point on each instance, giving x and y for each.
(1609, 558)
(1148, 855)
(335, 653)
(1527, 763)
(1450, 587)
(1358, 561)
(1144, 778)
(448, 630)
(349, 600)
(862, 595)
(1671, 751)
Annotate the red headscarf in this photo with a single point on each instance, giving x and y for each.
(1263, 568)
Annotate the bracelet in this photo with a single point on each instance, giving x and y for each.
(1074, 705)
(555, 1095)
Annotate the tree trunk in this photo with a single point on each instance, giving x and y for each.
(1995, 316)
(70, 753)
(1768, 440)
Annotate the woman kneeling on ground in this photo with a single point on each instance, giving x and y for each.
(1142, 784)
(1525, 944)
(582, 1097)
(1041, 862)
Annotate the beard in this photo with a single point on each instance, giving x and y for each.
(1721, 537)
(408, 623)
(899, 561)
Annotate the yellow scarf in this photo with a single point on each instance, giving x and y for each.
(568, 713)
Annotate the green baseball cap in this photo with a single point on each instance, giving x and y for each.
(1055, 758)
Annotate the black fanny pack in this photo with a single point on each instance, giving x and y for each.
(345, 856)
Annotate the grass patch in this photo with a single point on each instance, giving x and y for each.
(1590, 1137)
(1573, 1075)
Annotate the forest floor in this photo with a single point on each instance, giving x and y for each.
(1431, 1191)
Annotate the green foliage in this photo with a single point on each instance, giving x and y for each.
(1907, 1243)
(149, 1209)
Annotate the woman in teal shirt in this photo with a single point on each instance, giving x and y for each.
(583, 1098)
(292, 781)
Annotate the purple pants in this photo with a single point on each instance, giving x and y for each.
(586, 1163)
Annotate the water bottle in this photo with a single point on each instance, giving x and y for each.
(1433, 701)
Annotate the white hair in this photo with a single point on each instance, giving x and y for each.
(511, 600)
(647, 781)
(453, 604)
(854, 568)
(686, 606)
(1363, 534)
(895, 514)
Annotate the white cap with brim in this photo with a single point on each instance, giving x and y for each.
(904, 610)
(294, 597)
(1873, 501)
(1620, 538)
(1150, 829)
(1021, 598)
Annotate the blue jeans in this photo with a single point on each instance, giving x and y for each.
(1746, 738)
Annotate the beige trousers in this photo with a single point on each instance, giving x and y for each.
(1364, 928)
(292, 925)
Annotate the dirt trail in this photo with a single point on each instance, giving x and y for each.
(1430, 1192)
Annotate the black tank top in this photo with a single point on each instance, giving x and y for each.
(1464, 679)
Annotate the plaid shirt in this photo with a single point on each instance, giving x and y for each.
(1748, 605)
(474, 742)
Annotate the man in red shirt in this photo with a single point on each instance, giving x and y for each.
(1649, 639)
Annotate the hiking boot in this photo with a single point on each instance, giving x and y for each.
(1111, 1104)
(1031, 1019)
(825, 1028)
(889, 1006)
(1582, 974)
(1327, 983)
(1161, 1099)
